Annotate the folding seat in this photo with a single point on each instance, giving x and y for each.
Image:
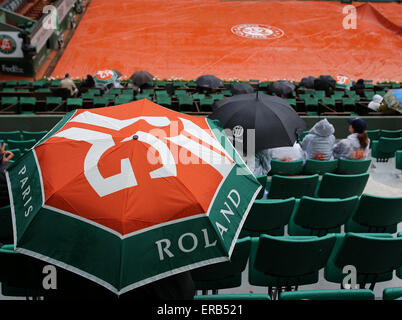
(374, 256)
(17, 154)
(94, 92)
(398, 161)
(55, 83)
(391, 133)
(27, 103)
(226, 274)
(151, 92)
(331, 294)
(11, 83)
(74, 103)
(346, 166)
(319, 94)
(282, 187)
(53, 102)
(115, 92)
(305, 133)
(37, 135)
(268, 217)
(349, 104)
(277, 262)
(373, 135)
(338, 95)
(249, 296)
(227, 93)
(6, 225)
(381, 93)
(385, 148)
(353, 95)
(342, 186)
(87, 96)
(23, 83)
(13, 135)
(392, 293)
(291, 101)
(320, 166)
(263, 181)
(318, 217)
(21, 144)
(328, 101)
(43, 90)
(369, 95)
(39, 83)
(286, 168)
(164, 101)
(99, 102)
(186, 102)
(140, 96)
(122, 99)
(376, 214)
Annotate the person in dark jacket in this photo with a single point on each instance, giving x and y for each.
(5, 157)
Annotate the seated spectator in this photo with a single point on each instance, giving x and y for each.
(69, 84)
(375, 103)
(293, 153)
(5, 157)
(86, 84)
(320, 140)
(356, 145)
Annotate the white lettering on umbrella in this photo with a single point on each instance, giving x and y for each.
(101, 142)
(229, 211)
(25, 192)
(164, 245)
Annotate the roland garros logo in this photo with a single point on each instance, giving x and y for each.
(257, 31)
(7, 44)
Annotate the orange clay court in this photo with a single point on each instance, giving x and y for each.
(186, 38)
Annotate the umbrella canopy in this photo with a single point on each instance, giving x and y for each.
(282, 88)
(141, 77)
(324, 83)
(393, 99)
(307, 82)
(275, 122)
(240, 88)
(209, 81)
(106, 79)
(343, 82)
(148, 193)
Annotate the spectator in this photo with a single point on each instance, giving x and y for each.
(69, 84)
(86, 84)
(5, 157)
(375, 103)
(319, 142)
(356, 145)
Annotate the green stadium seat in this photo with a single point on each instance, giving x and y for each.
(328, 101)
(191, 84)
(223, 275)
(291, 101)
(263, 181)
(115, 91)
(282, 187)
(352, 95)
(140, 96)
(303, 135)
(338, 95)
(373, 135)
(367, 218)
(43, 90)
(17, 154)
(373, 256)
(37, 135)
(6, 225)
(186, 102)
(347, 166)
(9, 101)
(23, 83)
(74, 103)
(87, 96)
(99, 102)
(311, 103)
(122, 99)
(13, 135)
(286, 168)
(53, 102)
(217, 96)
(55, 83)
(39, 83)
(21, 144)
(9, 90)
(268, 217)
(398, 161)
(164, 101)
(320, 166)
(27, 103)
(369, 95)
(391, 133)
(250, 296)
(289, 261)
(319, 94)
(392, 293)
(381, 93)
(94, 92)
(11, 83)
(318, 217)
(331, 294)
(159, 84)
(342, 186)
(349, 104)
(385, 148)
(227, 93)
(22, 90)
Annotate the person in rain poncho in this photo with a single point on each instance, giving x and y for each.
(356, 145)
(320, 140)
(375, 103)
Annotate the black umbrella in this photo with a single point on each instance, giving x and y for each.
(282, 88)
(275, 122)
(209, 81)
(240, 88)
(141, 77)
(307, 82)
(324, 83)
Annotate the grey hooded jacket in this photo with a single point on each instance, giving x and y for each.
(320, 141)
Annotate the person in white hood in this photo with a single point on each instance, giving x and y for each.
(375, 103)
(320, 140)
(356, 145)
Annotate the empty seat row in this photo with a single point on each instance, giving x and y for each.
(289, 262)
(312, 216)
(311, 166)
(385, 148)
(22, 135)
(329, 186)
